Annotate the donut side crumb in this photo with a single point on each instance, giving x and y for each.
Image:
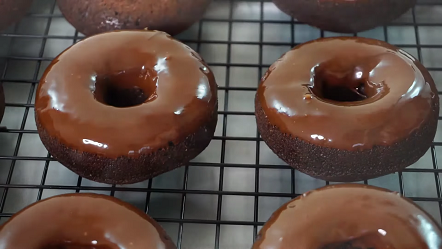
(124, 169)
(98, 16)
(332, 164)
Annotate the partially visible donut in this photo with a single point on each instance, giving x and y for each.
(12, 10)
(98, 16)
(350, 216)
(345, 16)
(347, 109)
(125, 106)
(2, 102)
(73, 221)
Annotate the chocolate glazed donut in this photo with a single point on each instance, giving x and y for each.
(343, 15)
(12, 10)
(97, 16)
(74, 221)
(125, 106)
(347, 109)
(350, 216)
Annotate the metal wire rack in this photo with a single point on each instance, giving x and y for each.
(223, 197)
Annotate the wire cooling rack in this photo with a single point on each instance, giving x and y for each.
(225, 195)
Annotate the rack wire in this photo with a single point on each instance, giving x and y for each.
(227, 193)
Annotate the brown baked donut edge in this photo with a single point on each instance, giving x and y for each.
(124, 169)
(337, 165)
(12, 11)
(98, 16)
(345, 16)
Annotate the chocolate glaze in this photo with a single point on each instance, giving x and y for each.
(346, 16)
(97, 16)
(332, 164)
(130, 169)
(12, 10)
(74, 221)
(398, 93)
(350, 216)
(180, 89)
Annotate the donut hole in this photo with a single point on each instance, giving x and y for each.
(347, 245)
(125, 89)
(373, 240)
(122, 97)
(72, 246)
(339, 87)
(342, 84)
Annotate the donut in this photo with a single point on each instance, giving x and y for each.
(12, 10)
(350, 216)
(124, 106)
(73, 221)
(98, 16)
(345, 16)
(347, 108)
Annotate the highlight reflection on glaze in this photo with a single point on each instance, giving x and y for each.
(168, 93)
(88, 141)
(355, 93)
(354, 215)
(82, 221)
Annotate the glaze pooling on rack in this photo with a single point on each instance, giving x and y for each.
(169, 93)
(83, 221)
(355, 214)
(348, 93)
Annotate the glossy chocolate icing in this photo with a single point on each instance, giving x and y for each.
(179, 88)
(86, 221)
(350, 216)
(347, 93)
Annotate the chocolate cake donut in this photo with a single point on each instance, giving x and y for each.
(12, 10)
(125, 106)
(93, 17)
(343, 15)
(73, 221)
(347, 109)
(350, 216)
